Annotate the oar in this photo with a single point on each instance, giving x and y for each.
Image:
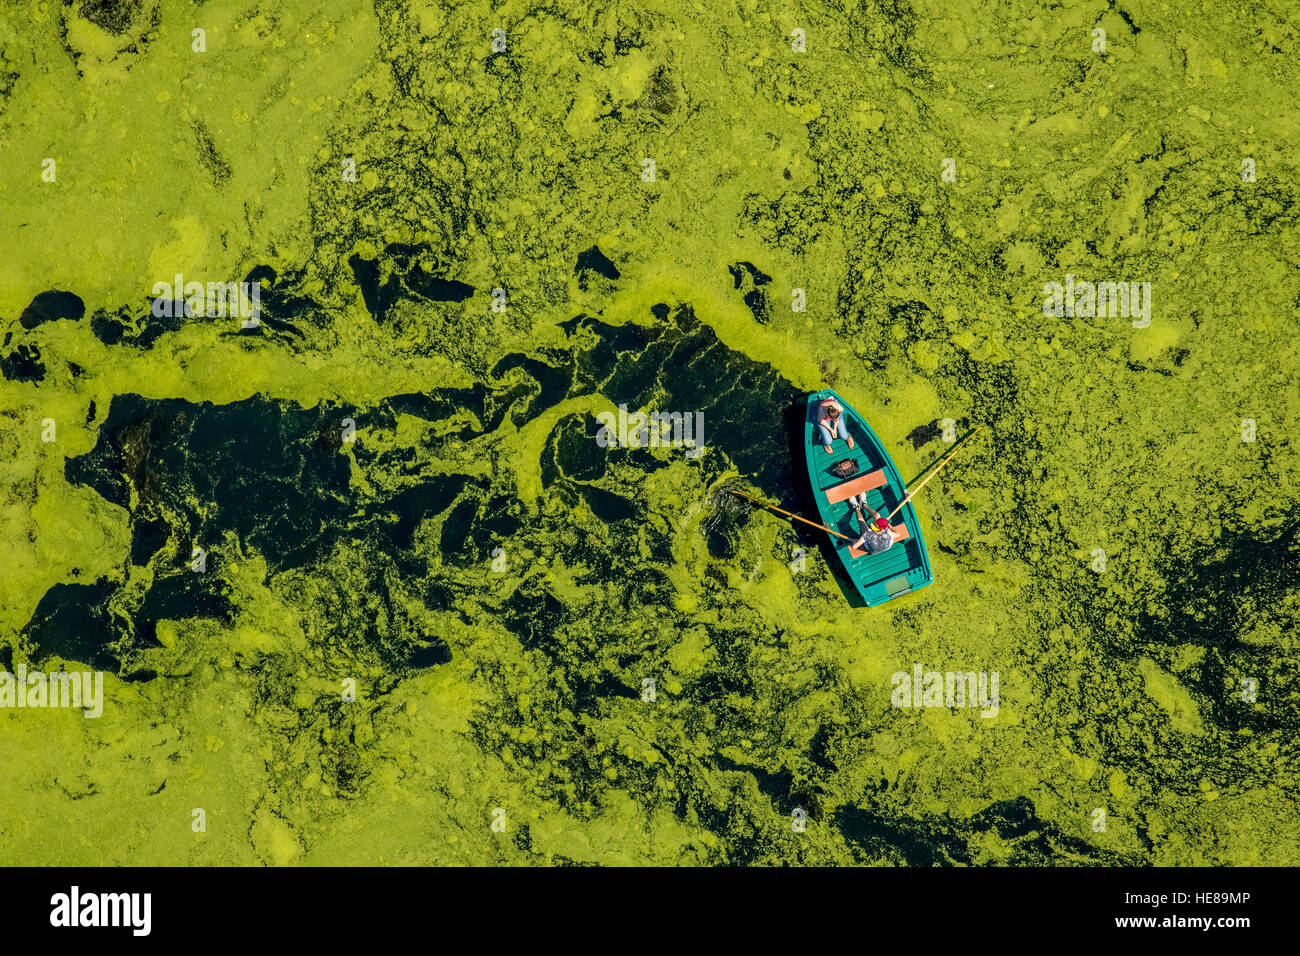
(908, 496)
(789, 514)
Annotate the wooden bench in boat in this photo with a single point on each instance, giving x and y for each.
(901, 534)
(847, 489)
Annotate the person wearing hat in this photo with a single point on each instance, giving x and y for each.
(876, 534)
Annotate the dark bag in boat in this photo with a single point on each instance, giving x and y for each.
(846, 468)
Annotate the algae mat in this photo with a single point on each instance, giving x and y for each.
(369, 577)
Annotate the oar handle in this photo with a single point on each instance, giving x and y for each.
(790, 514)
(906, 498)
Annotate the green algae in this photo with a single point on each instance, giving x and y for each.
(1121, 690)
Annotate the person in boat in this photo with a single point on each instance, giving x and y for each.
(831, 423)
(876, 534)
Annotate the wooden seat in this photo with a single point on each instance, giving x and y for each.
(901, 534)
(854, 486)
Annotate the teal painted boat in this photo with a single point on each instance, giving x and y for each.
(878, 577)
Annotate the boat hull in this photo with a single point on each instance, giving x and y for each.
(905, 567)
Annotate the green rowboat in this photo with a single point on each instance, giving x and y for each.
(877, 577)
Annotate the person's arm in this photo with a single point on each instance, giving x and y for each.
(861, 540)
(875, 515)
(862, 525)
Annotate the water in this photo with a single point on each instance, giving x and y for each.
(568, 632)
